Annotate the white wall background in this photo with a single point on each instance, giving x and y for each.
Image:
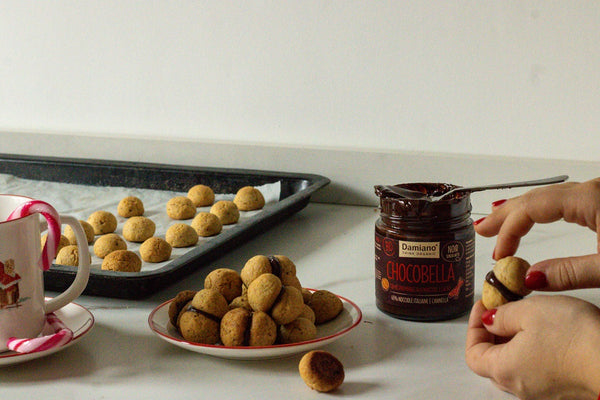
(519, 78)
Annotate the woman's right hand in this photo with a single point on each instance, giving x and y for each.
(512, 219)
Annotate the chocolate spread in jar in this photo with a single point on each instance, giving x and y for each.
(424, 253)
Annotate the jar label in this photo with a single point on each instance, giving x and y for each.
(423, 273)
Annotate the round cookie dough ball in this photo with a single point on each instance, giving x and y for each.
(87, 229)
(62, 242)
(180, 207)
(123, 261)
(69, 255)
(207, 224)
(299, 330)
(227, 281)
(130, 206)
(325, 305)
(103, 222)
(201, 195)
(108, 243)
(321, 370)
(227, 212)
(249, 198)
(137, 229)
(181, 235)
(155, 250)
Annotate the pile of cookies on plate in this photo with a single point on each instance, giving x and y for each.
(112, 248)
(262, 305)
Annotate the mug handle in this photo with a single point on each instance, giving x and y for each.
(83, 270)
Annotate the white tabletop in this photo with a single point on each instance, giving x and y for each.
(332, 247)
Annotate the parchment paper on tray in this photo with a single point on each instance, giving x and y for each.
(80, 201)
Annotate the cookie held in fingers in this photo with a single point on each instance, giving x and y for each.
(321, 371)
(505, 282)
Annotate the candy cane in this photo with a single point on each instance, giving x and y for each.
(61, 336)
(52, 240)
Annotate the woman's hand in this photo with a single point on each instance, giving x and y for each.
(542, 347)
(512, 219)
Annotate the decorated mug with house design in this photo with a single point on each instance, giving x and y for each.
(23, 260)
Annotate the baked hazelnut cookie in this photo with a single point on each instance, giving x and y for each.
(62, 242)
(241, 327)
(108, 243)
(249, 198)
(201, 195)
(130, 206)
(123, 261)
(87, 229)
(181, 235)
(240, 302)
(178, 303)
(197, 327)
(69, 255)
(263, 291)
(321, 370)
(288, 306)
(103, 222)
(155, 250)
(227, 212)
(505, 282)
(278, 265)
(226, 280)
(207, 224)
(211, 302)
(325, 305)
(137, 229)
(181, 207)
(299, 330)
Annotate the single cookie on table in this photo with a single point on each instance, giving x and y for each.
(249, 198)
(227, 212)
(505, 282)
(87, 229)
(69, 255)
(122, 261)
(278, 265)
(321, 370)
(225, 280)
(181, 207)
(325, 305)
(207, 224)
(201, 195)
(299, 330)
(181, 235)
(62, 242)
(103, 222)
(241, 327)
(130, 206)
(137, 229)
(180, 300)
(155, 250)
(108, 243)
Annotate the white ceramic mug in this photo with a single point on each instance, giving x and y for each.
(22, 259)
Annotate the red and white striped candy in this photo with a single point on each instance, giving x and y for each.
(61, 336)
(52, 240)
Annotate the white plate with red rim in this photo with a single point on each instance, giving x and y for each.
(327, 333)
(76, 317)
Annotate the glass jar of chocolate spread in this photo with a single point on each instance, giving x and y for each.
(424, 252)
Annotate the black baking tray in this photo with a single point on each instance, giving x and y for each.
(296, 190)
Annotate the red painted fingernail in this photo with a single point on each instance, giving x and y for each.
(478, 221)
(488, 317)
(536, 280)
(498, 203)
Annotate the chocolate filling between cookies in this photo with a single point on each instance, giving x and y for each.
(275, 266)
(248, 329)
(504, 291)
(207, 315)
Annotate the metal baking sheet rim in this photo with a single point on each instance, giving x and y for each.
(135, 285)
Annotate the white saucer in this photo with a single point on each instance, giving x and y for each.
(349, 319)
(77, 318)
